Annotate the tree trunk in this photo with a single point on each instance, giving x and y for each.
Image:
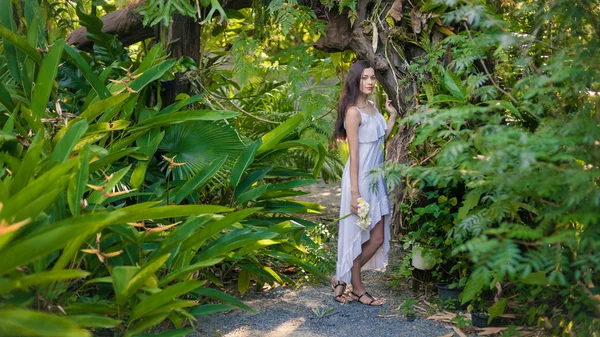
(182, 39)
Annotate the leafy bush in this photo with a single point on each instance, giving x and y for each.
(106, 220)
(511, 116)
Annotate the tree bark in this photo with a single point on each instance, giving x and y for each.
(126, 23)
(183, 39)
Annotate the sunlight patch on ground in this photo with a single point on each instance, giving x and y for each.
(286, 328)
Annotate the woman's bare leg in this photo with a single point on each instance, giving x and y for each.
(368, 250)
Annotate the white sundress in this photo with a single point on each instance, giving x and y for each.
(371, 134)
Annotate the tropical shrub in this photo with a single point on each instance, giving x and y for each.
(106, 217)
(507, 123)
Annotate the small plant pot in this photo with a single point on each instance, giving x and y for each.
(420, 261)
(449, 297)
(480, 320)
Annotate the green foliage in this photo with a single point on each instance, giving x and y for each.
(511, 126)
(111, 208)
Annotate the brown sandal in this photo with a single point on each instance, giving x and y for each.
(373, 299)
(341, 297)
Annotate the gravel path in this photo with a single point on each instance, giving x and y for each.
(285, 311)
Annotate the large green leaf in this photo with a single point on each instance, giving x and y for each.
(273, 137)
(51, 239)
(215, 227)
(77, 185)
(121, 277)
(252, 194)
(10, 52)
(20, 43)
(87, 71)
(22, 322)
(65, 145)
(99, 107)
(250, 179)
(151, 74)
(154, 301)
(222, 297)
(94, 321)
(177, 274)
(199, 180)
(46, 79)
(243, 162)
(28, 165)
(41, 278)
(184, 116)
(143, 274)
(141, 212)
(208, 309)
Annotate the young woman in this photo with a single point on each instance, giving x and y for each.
(365, 129)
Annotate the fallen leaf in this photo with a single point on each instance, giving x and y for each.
(442, 317)
(415, 20)
(459, 332)
(396, 10)
(489, 331)
(447, 335)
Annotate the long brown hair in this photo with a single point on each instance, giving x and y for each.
(349, 95)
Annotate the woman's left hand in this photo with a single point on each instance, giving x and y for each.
(389, 107)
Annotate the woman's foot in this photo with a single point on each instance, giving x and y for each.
(339, 288)
(366, 299)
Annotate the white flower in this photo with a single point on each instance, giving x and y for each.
(364, 220)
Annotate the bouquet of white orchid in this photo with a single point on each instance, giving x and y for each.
(364, 220)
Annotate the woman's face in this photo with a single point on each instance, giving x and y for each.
(367, 81)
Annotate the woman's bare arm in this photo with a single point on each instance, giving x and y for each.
(392, 120)
(353, 121)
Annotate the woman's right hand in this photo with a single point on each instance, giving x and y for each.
(354, 203)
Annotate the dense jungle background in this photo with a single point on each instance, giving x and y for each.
(151, 152)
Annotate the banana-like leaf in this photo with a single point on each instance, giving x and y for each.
(180, 273)
(28, 164)
(65, 145)
(232, 241)
(213, 228)
(199, 180)
(179, 105)
(184, 116)
(45, 183)
(23, 322)
(291, 184)
(94, 321)
(5, 99)
(143, 274)
(112, 157)
(145, 324)
(41, 278)
(250, 179)
(180, 234)
(51, 239)
(222, 297)
(207, 309)
(151, 75)
(20, 43)
(121, 277)
(88, 73)
(96, 109)
(131, 213)
(77, 185)
(46, 79)
(154, 301)
(10, 52)
(273, 137)
(252, 194)
(243, 161)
